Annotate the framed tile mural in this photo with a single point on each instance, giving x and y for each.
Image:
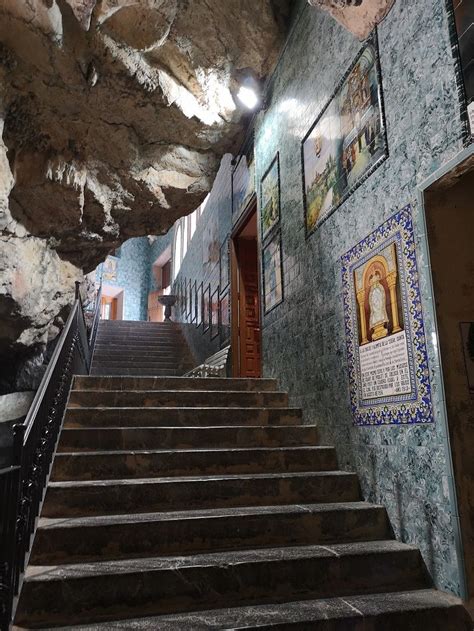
(199, 305)
(215, 313)
(193, 303)
(109, 269)
(270, 197)
(224, 274)
(461, 26)
(206, 308)
(243, 181)
(347, 142)
(224, 317)
(386, 348)
(272, 270)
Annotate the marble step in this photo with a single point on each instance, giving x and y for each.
(111, 465)
(87, 592)
(178, 398)
(152, 352)
(190, 532)
(138, 362)
(109, 497)
(168, 345)
(177, 383)
(181, 416)
(127, 335)
(104, 371)
(218, 437)
(425, 609)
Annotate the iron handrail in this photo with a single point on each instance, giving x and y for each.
(22, 485)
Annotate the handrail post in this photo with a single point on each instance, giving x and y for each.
(78, 285)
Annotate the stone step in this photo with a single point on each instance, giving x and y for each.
(181, 417)
(224, 437)
(137, 362)
(425, 609)
(123, 344)
(109, 497)
(190, 532)
(178, 398)
(99, 591)
(121, 336)
(176, 383)
(104, 371)
(134, 352)
(111, 465)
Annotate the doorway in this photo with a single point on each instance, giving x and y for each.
(450, 232)
(111, 303)
(161, 270)
(245, 296)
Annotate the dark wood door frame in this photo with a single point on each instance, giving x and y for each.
(240, 225)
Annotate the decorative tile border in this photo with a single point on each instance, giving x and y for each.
(412, 404)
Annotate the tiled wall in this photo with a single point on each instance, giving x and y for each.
(217, 212)
(304, 346)
(133, 277)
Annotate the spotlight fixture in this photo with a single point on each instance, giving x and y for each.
(248, 97)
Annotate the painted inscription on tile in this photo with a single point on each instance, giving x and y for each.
(347, 142)
(272, 273)
(388, 365)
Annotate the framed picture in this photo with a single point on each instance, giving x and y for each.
(184, 306)
(389, 378)
(270, 197)
(215, 313)
(206, 308)
(467, 340)
(189, 310)
(199, 305)
(272, 270)
(348, 140)
(224, 275)
(109, 269)
(224, 317)
(243, 181)
(461, 27)
(193, 302)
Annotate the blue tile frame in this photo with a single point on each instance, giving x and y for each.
(416, 406)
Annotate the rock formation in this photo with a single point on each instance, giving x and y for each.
(358, 16)
(114, 115)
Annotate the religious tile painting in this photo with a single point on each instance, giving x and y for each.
(109, 269)
(224, 316)
(270, 197)
(198, 303)
(272, 273)
(215, 313)
(206, 308)
(464, 26)
(386, 348)
(224, 275)
(348, 140)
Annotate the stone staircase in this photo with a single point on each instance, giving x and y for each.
(185, 504)
(140, 348)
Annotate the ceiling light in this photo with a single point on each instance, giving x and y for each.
(248, 97)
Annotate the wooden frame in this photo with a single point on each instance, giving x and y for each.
(199, 305)
(193, 303)
(224, 317)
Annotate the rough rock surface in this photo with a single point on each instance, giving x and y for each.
(358, 16)
(113, 117)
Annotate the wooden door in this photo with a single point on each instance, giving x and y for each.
(245, 297)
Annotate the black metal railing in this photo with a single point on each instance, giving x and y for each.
(23, 484)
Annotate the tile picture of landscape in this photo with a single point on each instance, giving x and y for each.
(347, 142)
(270, 198)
